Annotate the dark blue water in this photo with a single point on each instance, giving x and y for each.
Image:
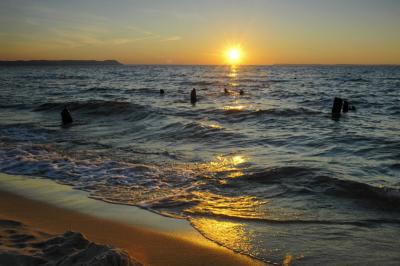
(267, 173)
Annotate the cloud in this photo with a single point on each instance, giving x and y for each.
(139, 30)
(59, 29)
(171, 39)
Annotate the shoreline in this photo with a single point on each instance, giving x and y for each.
(148, 237)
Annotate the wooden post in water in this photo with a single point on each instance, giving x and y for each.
(345, 106)
(193, 96)
(337, 107)
(66, 116)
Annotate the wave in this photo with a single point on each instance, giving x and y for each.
(13, 106)
(201, 83)
(315, 181)
(101, 89)
(276, 80)
(347, 79)
(356, 80)
(96, 107)
(114, 90)
(28, 132)
(276, 175)
(55, 76)
(172, 190)
(354, 189)
(240, 114)
(288, 112)
(195, 130)
(361, 222)
(250, 80)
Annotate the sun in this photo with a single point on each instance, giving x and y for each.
(233, 55)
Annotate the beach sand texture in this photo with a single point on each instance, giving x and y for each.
(22, 245)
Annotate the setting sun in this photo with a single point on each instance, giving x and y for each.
(233, 55)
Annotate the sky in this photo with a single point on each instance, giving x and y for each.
(200, 32)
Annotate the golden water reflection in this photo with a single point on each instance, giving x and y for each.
(233, 71)
(246, 207)
(232, 74)
(239, 107)
(230, 234)
(215, 126)
(231, 166)
(211, 124)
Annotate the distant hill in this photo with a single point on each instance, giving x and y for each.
(59, 63)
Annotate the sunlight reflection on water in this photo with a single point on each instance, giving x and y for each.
(231, 165)
(246, 207)
(234, 107)
(233, 235)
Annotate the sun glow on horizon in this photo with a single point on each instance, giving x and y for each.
(233, 55)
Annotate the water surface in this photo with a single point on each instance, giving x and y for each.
(267, 173)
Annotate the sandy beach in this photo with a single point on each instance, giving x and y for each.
(24, 245)
(149, 246)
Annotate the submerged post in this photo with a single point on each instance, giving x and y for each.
(66, 116)
(193, 96)
(337, 107)
(162, 91)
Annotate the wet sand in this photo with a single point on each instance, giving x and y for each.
(147, 244)
(24, 245)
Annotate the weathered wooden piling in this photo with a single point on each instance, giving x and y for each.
(345, 106)
(66, 117)
(337, 106)
(193, 96)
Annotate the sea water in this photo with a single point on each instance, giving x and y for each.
(268, 173)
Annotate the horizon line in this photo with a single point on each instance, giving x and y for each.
(290, 64)
(194, 64)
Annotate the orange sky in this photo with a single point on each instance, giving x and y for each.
(200, 32)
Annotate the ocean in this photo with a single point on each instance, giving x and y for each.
(268, 173)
